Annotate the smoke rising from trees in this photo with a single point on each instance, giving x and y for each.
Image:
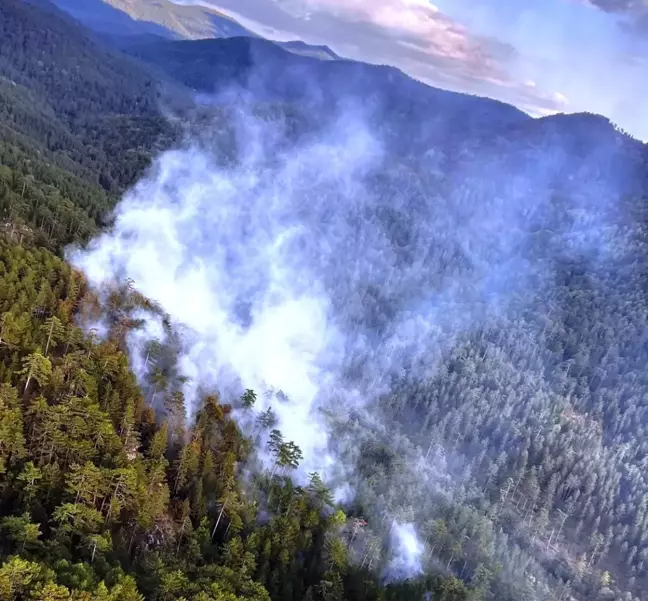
(325, 273)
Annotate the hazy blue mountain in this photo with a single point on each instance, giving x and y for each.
(101, 17)
(161, 17)
(121, 20)
(410, 109)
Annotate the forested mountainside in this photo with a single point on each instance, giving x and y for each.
(100, 496)
(103, 500)
(101, 17)
(413, 111)
(92, 110)
(79, 123)
(528, 393)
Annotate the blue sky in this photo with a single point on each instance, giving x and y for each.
(544, 56)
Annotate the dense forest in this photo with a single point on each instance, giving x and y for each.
(101, 498)
(100, 495)
(109, 489)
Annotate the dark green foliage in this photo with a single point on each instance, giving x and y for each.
(78, 124)
(97, 496)
(67, 99)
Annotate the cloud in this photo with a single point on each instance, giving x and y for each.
(413, 35)
(634, 12)
(620, 6)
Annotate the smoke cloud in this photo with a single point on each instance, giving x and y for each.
(324, 272)
(231, 254)
(408, 549)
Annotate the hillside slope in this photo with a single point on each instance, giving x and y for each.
(122, 20)
(102, 497)
(86, 93)
(476, 203)
(78, 121)
(537, 413)
(411, 113)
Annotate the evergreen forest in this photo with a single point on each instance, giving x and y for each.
(111, 490)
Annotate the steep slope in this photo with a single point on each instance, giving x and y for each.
(412, 116)
(73, 73)
(123, 19)
(187, 21)
(88, 102)
(475, 207)
(109, 482)
(102, 17)
(539, 412)
(100, 497)
(458, 289)
(161, 17)
(75, 117)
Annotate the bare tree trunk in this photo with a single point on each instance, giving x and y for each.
(49, 338)
(562, 524)
(463, 569)
(220, 515)
(29, 379)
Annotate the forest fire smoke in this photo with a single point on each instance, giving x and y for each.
(321, 275)
(242, 258)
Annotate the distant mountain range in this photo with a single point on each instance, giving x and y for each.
(208, 52)
(128, 18)
(153, 16)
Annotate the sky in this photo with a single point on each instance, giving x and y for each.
(544, 56)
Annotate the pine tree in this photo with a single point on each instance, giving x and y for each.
(248, 399)
(54, 330)
(36, 368)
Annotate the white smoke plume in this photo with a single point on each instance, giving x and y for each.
(217, 248)
(325, 269)
(408, 552)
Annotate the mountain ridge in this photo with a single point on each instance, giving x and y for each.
(533, 415)
(166, 19)
(179, 22)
